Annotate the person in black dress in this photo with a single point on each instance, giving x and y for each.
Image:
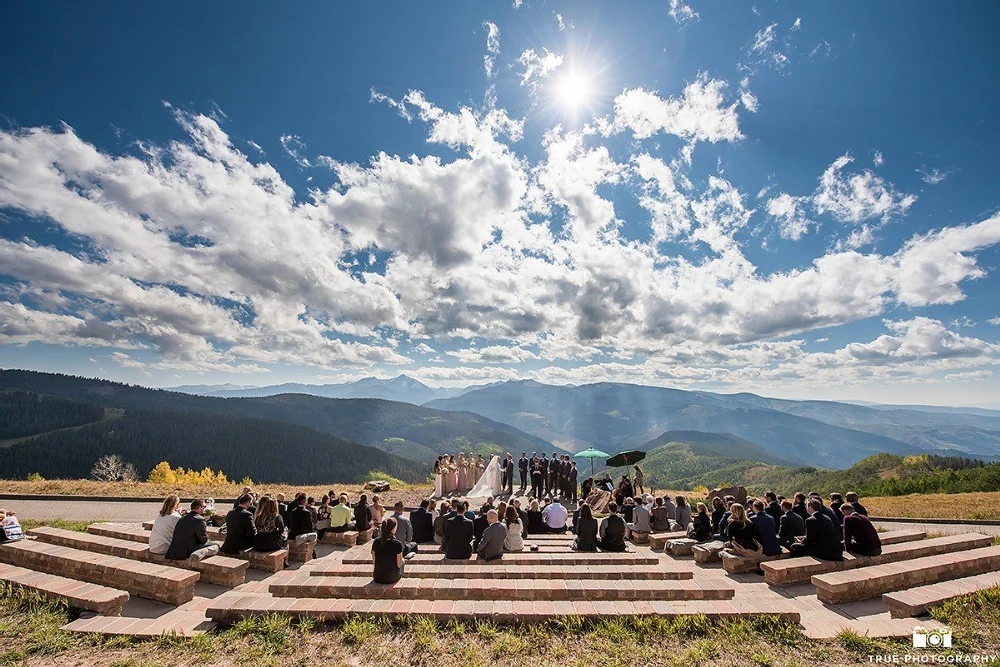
(612, 531)
(387, 554)
(270, 527)
(586, 530)
(536, 524)
(363, 514)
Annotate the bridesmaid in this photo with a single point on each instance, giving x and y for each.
(478, 470)
(463, 473)
(452, 478)
(438, 478)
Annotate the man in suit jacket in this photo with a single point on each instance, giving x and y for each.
(479, 525)
(522, 468)
(240, 529)
(822, 538)
(766, 534)
(299, 518)
(571, 480)
(543, 463)
(190, 534)
(508, 471)
(458, 534)
(791, 526)
(860, 536)
(773, 508)
(855, 501)
(555, 470)
(491, 544)
(422, 522)
(404, 529)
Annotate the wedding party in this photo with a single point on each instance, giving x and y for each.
(474, 476)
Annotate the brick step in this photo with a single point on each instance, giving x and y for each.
(348, 538)
(232, 607)
(507, 571)
(658, 541)
(871, 582)
(176, 623)
(522, 558)
(415, 588)
(734, 564)
(267, 562)
(707, 552)
(76, 594)
(220, 570)
(681, 546)
(214, 534)
(799, 570)
(146, 580)
(918, 601)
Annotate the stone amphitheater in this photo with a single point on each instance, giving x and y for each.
(109, 573)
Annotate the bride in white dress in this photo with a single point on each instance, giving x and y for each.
(490, 483)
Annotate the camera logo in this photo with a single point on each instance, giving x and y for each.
(931, 638)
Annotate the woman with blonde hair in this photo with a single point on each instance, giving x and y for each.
(270, 527)
(163, 526)
(514, 540)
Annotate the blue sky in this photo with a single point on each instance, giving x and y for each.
(793, 199)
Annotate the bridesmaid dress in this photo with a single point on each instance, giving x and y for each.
(463, 475)
(438, 481)
(452, 477)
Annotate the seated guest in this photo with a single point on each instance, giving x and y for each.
(247, 491)
(523, 516)
(282, 507)
(341, 516)
(458, 534)
(555, 517)
(767, 535)
(855, 501)
(323, 514)
(387, 554)
(792, 525)
(363, 514)
(404, 530)
(860, 536)
(773, 508)
(682, 513)
(586, 487)
(718, 510)
(469, 514)
(163, 526)
(640, 521)
(491, 544)
(727, 503)
(702, 528)
(479, 525)
(822, 539)
(515, 529)
(668, 503)
(300, 526)
(612, 531)
(378, 511)
(827, 511)
(576, 514)
(659, 518)
(799, 505)
(422, 522)
(628, 507)
(586, 531)
(191, 536)
(10, 527)
(836, 500)
(445, 514)
(740, 531)
(239, 527)
(313, 510)
(270, 527)
(536, 525)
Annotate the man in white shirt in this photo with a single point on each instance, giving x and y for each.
(555, 516)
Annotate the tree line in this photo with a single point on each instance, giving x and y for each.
(24, 413)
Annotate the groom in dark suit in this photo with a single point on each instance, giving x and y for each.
(508, 475)
(504, 474)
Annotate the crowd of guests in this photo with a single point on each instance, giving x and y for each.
(10, 527)
(804, 525)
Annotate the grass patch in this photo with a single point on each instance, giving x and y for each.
(78, 526)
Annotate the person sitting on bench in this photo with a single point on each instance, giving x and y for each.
(270, 527)
(640, 521)
(387, 554)
(822, 539)
(767, 534)
(404, 530)
(458, 534)
(791, 526)
(423, 523)
(555, 516)
(860, 536)
(702, 530)
(163, 526)
(491, 544)
(240, 530)
(341, 516)
(612, 531)
(191, 536)
(855, 500)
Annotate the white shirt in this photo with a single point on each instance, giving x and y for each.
(514, 541)
(555, 515)
(163, 533)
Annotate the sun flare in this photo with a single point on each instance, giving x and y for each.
(573, 90)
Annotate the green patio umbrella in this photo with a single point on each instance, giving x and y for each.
(591, 453)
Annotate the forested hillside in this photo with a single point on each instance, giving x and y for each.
(239, 446)
(24, 413)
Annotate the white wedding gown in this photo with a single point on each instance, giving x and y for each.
(489, 483)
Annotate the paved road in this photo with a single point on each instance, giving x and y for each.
(77, 510)
(939, 528)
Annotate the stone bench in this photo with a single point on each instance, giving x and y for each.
(900, 536)
(734, 564)
(218, 570)
(78, 595)
(681, 546)
(348, 538)
(300, 552)
(658, 540)
(266, 562)
(707, 552)
(872, 582)
(918, 601)
(146, 580)
(800, 570)
(414, 588)
(234, 607)
(363, 557)
(505, 570)
(638, 537)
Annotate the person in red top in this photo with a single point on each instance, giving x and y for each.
(860, 536)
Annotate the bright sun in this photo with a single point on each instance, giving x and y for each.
(573, 90)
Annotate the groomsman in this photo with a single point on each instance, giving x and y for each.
(572, 478)
(504, 474)
(508, 471)
(554, 472)
(543, 463)
(536, 480)
(522, 468)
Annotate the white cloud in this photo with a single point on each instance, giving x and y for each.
(681, 12)
(746, 97)
(787, 210)
(879, 159)
(763, 39)
(995, 321)
(933, 176)
(858, 197)
(492, 47)
(294, 146)
(538, 65)
(700, 114)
